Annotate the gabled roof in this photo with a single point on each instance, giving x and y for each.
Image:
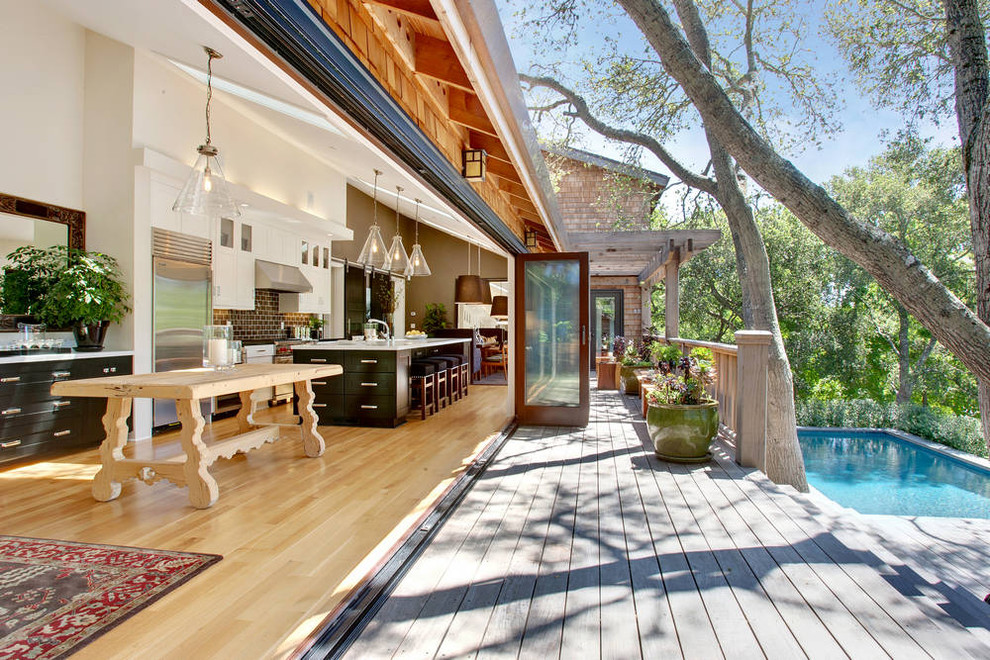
(608, 164)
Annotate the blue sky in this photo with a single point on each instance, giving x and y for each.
(854, 144)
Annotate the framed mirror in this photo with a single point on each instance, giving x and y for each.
(27, 222)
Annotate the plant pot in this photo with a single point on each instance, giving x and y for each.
(90, 336)
(682, 434)
(628, 382)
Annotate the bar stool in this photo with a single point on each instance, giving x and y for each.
(422, 381)
(441, 383)
(463, 372)
(453, 366)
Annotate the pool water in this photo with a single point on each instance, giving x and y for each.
(875, 472)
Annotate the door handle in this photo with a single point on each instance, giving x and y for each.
(584, 335)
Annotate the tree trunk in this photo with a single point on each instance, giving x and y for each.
(783, 460)
(967, 43)
(905, 384)
(897, 270)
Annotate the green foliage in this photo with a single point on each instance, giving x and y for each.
(687, 384)
(827, 389)
(959, 431)
(635, 355)
(668, 354)
(65, 286)
(315, 323)
(435, 318)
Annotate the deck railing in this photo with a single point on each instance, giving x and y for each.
(741, 390)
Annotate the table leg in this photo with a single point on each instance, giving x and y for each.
(202, 486)
(105, 488)
(312, 440)
(245, 416)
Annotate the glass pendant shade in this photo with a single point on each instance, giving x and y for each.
(206, 192)
(417, 263)
(374, 253)
(398, 260)
(469, 289)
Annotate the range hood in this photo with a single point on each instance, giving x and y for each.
(279, 277)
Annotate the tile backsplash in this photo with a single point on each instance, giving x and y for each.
(262, 322)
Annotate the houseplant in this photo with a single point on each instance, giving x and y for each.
(315, 325)
(435, 318)
(633, 360)
(681, 418)
(72, 288)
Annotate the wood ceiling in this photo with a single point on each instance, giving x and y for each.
(643, 254)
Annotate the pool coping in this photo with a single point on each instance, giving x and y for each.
(952, 452)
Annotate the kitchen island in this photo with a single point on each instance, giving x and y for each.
(374, 388)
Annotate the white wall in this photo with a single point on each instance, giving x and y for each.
(41, 75)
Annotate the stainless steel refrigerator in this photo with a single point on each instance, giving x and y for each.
(183, 284)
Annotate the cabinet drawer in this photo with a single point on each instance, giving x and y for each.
(60, 437)
(329, 408)
(369, 383)
(13, 413)
(365, 361)
(318, 357)
(328, 385)
(369, 407)
(18, 394)
(97, 367)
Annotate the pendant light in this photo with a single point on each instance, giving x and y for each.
(417, 262)
(398, 260)
(205, 191)
(374, 253)
(468, 288)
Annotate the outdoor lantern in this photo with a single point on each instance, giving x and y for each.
(475, 164)
(205, 191)
(530, 237)
(374, 253)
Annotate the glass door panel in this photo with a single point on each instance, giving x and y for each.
(606, 321)
(552, 321)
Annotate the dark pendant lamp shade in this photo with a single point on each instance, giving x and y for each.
(469, 289)
(500, 307)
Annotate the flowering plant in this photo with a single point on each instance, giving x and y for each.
(687, 382)
(636, 354)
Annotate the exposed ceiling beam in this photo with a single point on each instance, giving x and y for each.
(524, 205)
(436, 59)
(504, 170)
(513, 188)
(417, 8)
(492, 145)
(466, 110)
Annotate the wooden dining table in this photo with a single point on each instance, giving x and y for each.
(188, 388)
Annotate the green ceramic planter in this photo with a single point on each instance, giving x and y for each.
(682, 434)
(628, 382)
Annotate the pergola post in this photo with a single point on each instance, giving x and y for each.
(672, 296)
(752, 359)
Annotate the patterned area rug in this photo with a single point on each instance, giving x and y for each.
(56, 596)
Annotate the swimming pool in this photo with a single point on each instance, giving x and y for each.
(876, 472)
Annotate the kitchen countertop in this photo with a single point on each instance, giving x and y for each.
(381, 344)
(44, 356)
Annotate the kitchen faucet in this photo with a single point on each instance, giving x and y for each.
(388, 331)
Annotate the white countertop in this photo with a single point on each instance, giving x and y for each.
(52, 357)
(381, 344)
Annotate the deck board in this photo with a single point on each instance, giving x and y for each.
(580, 543)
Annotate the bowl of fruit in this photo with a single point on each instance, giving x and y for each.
(415, 334)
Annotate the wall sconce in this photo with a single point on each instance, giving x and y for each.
(530, 238)
(475, 164)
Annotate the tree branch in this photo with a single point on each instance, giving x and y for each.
(582, 111)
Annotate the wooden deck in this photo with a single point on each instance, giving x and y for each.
(579, 543)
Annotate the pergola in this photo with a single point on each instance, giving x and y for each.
(649, 256)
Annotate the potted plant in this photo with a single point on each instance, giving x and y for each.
(435, 318)
(315, 325)
(72, 288)
(681, 418)
(633, 361)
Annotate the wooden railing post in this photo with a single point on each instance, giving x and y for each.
(751, 397)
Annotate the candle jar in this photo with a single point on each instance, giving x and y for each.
(216, 346)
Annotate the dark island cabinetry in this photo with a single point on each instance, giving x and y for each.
(33, 422)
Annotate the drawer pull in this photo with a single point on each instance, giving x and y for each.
(371, 361)
(10, 411)
(9, 444)
(109, 370)
(318, 360)
(61, 374)
(59, 434)
(10, 379)
(59, 404)
(369, 384)
(106, 370)
(319, 382)
(319, 405)
(367, 407)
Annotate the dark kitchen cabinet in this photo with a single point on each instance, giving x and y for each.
(33, 422)
(372, 391)
(355, 301)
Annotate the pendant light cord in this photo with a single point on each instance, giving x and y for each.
(398, 189)
(417, 220)
(210, 56)
(374, 220)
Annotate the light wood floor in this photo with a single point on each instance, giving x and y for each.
(295, 533)
(579, 543)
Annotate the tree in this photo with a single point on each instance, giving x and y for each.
(893, 266)
(635, 90)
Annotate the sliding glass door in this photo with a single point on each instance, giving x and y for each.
(552, 356)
